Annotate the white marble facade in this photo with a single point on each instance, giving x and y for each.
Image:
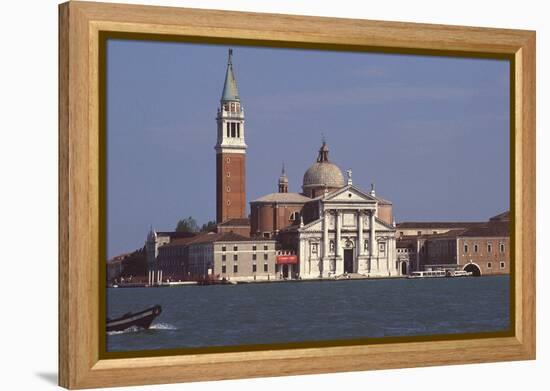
(339, 242)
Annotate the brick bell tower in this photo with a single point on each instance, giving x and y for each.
(230, 152)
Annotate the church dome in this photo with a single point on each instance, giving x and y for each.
(322, 174)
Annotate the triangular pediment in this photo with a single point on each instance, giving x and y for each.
(316, 225)
(349, 193)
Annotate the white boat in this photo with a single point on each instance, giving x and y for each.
(460, 273)
(428, 274)
(439, 274)
(179, 283)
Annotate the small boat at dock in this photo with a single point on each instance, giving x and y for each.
(439, 274)
(142, 319)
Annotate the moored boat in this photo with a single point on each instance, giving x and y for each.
(439, 274)
(428, 274)
(142, 319)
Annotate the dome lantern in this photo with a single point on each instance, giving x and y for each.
(322, 175)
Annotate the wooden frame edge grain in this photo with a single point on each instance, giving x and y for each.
(79, 26)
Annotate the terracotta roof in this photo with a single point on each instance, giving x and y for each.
(494, 229)
(451, 234)
(490, 229)
(176, 234)
(501, 217)
(284, 197)
(235, 223)
(118, 258)
(224, 237)
(438, 224)
(383, 201)
(179, 242)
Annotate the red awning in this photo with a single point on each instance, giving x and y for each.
(286, 259)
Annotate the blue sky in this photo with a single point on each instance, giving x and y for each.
(431, 132)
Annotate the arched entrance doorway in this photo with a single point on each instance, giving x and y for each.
(403, 268)
(473, 268)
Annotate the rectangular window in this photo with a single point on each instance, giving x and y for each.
(238, 130)
(489, 248)
(224, 269)
(235, 257)
(475, 248)
(254, 247)
(233, 129)
(382, 247)
(266, 234)
(228, 132)
(502, 265)
(223, 248)
(265, 247)
(253, 257)
(223, 257)
(235, 268)
(502, 247)
(465, 248)
(235, 248)
(489, 265)
(265, 267)
(253, 268)
(265, 257)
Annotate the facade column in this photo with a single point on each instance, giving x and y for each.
(338, 224)
(325, 234)
(373, 247)
(338, 263)
(302, 257)
(325, 259)
(360, 244)
(362, 258)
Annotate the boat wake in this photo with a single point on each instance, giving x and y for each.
(135, 329)
(162, 326)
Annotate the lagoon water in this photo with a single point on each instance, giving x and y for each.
(224, 315)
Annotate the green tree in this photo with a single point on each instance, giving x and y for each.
(188, 224)
(208, 226)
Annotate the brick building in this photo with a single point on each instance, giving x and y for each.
(482, 248)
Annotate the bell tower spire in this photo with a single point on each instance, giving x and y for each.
(283, 181)
(230, 151)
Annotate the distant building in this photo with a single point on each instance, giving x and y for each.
(128, 267)
(419, 228)
(482, 248)
(165, 253)
(232, 256)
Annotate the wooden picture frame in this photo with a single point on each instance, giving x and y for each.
(81, 25)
